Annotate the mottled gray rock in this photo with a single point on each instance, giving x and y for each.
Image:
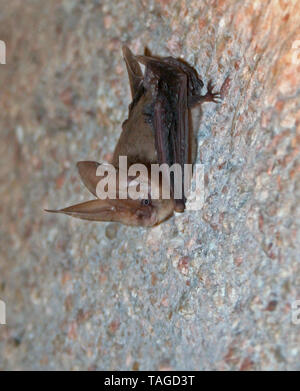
(211, 289)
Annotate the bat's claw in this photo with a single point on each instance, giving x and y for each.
(211, 96)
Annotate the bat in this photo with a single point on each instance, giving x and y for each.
(157, 131)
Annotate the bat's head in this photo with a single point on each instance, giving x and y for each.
(130, 208)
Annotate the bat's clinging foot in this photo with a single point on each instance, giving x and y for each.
(210, 96)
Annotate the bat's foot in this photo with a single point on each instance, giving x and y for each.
(210, 96)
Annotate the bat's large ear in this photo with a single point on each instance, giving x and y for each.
(87, 172)
(128, 212)
(95, 210)
(135, 73)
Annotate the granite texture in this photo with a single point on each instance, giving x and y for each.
(206, 290)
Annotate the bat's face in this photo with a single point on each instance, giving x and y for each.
(143, 211)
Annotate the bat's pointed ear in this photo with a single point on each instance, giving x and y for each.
(135, 73)
(87, 171)
(95, 210)
(128, 212)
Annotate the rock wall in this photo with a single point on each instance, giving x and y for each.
(211, 289)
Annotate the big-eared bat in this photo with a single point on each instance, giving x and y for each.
(157, 131)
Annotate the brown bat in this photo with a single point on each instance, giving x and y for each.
(158, 130)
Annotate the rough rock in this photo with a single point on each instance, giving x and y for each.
(211, 289)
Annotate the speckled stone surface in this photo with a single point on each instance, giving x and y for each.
(211, 289)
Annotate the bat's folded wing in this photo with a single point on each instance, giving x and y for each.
(169, 84)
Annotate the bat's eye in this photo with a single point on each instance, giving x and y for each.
(145, 202)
